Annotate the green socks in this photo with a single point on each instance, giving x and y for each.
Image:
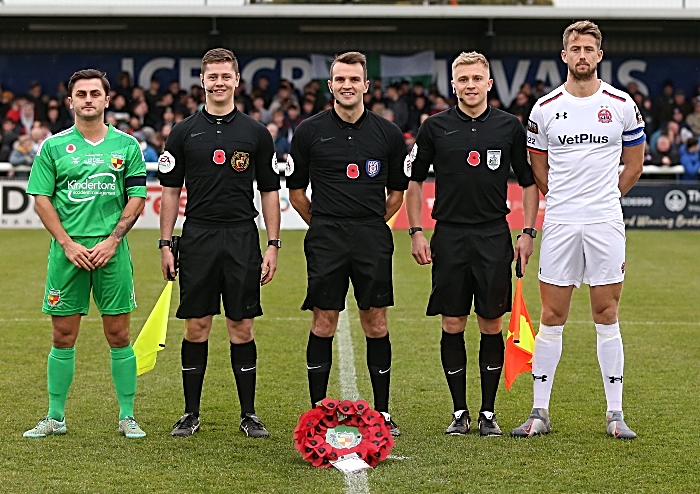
(124, 377)
(59, 376)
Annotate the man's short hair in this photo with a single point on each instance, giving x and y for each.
(351, 58)
(582, 27)
(219, 55)
(691, 142)
(88, 74)
(470, 58)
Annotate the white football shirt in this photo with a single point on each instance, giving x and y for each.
(583, 139)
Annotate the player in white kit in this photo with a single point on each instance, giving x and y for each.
(576, 137)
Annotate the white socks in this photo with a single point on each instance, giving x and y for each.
(611, 358)
(545, 358)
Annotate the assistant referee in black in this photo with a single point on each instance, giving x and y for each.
(472, 148)
(354, 161)
(218, 152)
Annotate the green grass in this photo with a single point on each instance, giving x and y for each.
(660, 321)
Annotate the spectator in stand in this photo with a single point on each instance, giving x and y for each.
(293, 117)
(141, 112)
(388, 114)
(26, 117)
(398, 106)
(680, 102)
(53, 118)
(153, 94)
(377, 96)
(22, 154)
(8, 136)
(307, 107)
(693, 119)
(281, 143)
(118, 107)
(494, 102)
(684, 131)
(417, 108)
(539, 90)
(520, 107)
(663, 104)
(40, 131)
(278, 118)
(440, 104)
(174, 89)
(165, 131)
(410, 139)
(6, 99)
(168, 118)
(61, 91)
(416, 91)
(526, 89)
(124, 85)
(665, 153)
(39, 100)
(633, 90)
(284, 92)
(259, 106)
(650, 122)
(690, 159)
(15, 111)
(262, 88)
(197, 92)
(150, 155)
(240, 96)
(192, 105)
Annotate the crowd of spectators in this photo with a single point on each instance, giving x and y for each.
(672, 121)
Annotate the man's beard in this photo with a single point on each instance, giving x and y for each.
(583, 76)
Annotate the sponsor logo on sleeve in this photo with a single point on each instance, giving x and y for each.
(289, 167)
(532, 127)
(240, 161)
(408, 161)
(493, 158)
(373, 167)
(638, 115)
(166, 162)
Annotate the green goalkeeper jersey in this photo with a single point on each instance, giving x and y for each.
(89, 183)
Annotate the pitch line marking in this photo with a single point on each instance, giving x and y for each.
(354, 483)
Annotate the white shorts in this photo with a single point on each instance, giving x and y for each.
(592, 253)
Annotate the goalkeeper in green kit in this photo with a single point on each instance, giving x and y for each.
(89, 185)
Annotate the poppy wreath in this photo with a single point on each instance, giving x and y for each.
(336, 428)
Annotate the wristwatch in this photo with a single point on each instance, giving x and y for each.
(414, 229)
(164, 243)
(530, 231)
(275, 243)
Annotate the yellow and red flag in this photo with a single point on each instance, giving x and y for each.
(520, 342)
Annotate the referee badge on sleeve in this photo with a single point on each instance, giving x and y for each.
(493, 158)
(289, 167)
(240, 161)
(408, 161)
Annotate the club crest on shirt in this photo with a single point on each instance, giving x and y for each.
(493, 158)
(117, 162)
(604, 116)
(473, 158)
(353, 171)
(166, 162)
(240, 161)
(54, 298)
(373, 167)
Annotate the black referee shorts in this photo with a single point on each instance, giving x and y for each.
(216, 264)
(338, 252)
(471, 263)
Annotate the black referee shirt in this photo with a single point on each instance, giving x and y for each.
(218, 157)
(350, 166)
(472, 159)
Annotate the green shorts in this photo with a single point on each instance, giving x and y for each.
(68, 286)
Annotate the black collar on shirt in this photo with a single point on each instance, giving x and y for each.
(226, 118)
(342, 123)
(480, 118)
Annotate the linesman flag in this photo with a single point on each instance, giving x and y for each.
(520, 342)
(151, 339)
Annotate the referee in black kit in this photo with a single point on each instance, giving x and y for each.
(218, 152)
(354, 160)
(472, 148)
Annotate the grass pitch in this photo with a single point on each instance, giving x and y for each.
(660, 320)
